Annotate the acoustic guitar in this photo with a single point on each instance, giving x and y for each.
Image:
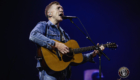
(51, 59)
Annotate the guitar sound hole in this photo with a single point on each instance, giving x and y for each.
(66, 58)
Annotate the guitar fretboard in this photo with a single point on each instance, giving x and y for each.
(83, 49)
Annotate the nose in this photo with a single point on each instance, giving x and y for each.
(61, 9)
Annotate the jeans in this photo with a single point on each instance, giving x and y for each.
(44, 76)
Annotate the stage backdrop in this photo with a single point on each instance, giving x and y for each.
(105, 21)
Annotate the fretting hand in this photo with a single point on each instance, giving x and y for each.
(95, 52)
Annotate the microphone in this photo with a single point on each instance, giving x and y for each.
(68, 17)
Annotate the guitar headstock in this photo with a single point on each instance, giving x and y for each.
(111, 45)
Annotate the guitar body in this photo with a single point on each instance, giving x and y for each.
(51, 59)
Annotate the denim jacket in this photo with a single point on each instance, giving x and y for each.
(43, 33)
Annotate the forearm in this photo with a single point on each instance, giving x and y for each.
(88, 57)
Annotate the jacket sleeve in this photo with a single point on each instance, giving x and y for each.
(37, 35)
(88, 57)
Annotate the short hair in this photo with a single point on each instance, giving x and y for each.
(49, 5)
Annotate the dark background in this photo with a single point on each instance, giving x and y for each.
(106, 21)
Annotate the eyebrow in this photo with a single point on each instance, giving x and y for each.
(60, 7)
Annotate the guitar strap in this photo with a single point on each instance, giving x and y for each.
(61, 36)
(67, 71)
(62, 39)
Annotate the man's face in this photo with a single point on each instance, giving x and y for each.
(56, 11)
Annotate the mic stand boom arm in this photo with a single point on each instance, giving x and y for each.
(96, 47)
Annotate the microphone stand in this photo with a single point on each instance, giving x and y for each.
(96, 47)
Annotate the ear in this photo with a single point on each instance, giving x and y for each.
(49, 14)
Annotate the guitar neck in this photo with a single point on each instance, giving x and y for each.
(84, 49)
